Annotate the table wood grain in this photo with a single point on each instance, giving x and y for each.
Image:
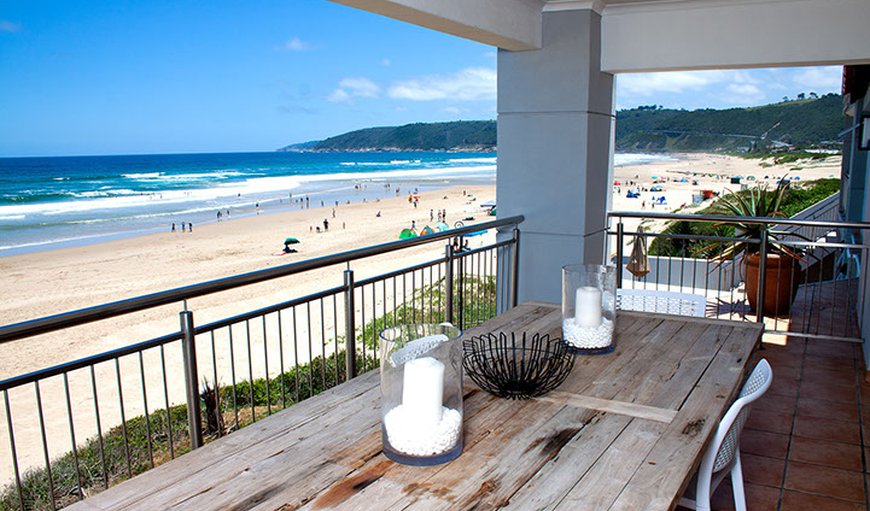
(624, 432)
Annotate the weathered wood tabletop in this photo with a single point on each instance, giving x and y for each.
(624, 432)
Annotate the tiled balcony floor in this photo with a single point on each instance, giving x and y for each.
(804, 446)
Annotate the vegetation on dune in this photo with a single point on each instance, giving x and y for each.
(148, 443)
(796, 199)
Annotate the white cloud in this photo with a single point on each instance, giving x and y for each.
(470, 84)
(820, 79)
(745, 94)
(9, 26)
(356, 87)
(297, 44)
(338, 96)
(649, 84)
(455, 110)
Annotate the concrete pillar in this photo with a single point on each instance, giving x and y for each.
(555, 134)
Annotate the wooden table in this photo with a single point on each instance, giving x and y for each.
(624, 432)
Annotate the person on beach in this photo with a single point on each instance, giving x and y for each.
(325, 224)
(378, 215)
(431, 214)
(189, 227)
(173, 226)
(219, 216)
(182, 226)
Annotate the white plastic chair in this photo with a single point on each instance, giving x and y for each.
(666, 302)
(723, 455)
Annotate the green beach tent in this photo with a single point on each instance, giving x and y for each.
(407, 234)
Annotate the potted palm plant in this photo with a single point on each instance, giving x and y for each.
(782, 262)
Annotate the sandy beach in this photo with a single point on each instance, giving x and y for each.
(55, 281)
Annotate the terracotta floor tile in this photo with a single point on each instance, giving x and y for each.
(825, 481)
(783, 359)
(829, 392)
(797, 501)
(757, 497)
(831, 454)
(834, 364)
(788, 388)
(826, 429)
(762, 470)
(832, 348)
(774, 422)
(763, 443)
(827, 410)
(774, 403)
(824, 376)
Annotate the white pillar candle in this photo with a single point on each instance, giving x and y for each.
(423, 392)
(587, 306)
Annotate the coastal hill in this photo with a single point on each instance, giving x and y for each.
(438, 136)
(802, 122)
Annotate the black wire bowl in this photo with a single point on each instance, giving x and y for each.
(517, 368)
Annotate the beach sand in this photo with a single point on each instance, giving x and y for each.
(51, 282)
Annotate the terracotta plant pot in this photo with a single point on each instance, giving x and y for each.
(783, 277)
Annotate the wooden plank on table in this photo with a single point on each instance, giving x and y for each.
(630, 368)
(665, 472)
(396, 482)
(607, 405)
(340, 469)
(554, 480)
(203, 469)
(503, 463)
(606, 478)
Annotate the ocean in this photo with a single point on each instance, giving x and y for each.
(51, 202)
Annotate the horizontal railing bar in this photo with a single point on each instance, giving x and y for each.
(821, 337)
(396, 273)
(688, 237)
(221, 323)
(820, 244)
(17, 381)
(99, 312)
(740, 219)
(422, 266)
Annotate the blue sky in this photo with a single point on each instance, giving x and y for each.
(159, 76)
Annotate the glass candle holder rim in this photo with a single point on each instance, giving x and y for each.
(454, 334)
(586, 267)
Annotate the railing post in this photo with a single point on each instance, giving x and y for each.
(620, 238)
(191, 378)
(460, 263)
(515, 267)
(762, 278)
(448, 281)
(350, 323)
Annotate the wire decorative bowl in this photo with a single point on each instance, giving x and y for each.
(517, 368)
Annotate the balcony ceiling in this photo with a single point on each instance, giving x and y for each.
(662, 35)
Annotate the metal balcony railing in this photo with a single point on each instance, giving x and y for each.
(821, 298)
(151, 401)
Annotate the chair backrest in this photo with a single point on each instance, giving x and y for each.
(665, 302)
(726, 441)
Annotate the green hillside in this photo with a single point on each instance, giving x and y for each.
(439, 136)
(803, 123)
